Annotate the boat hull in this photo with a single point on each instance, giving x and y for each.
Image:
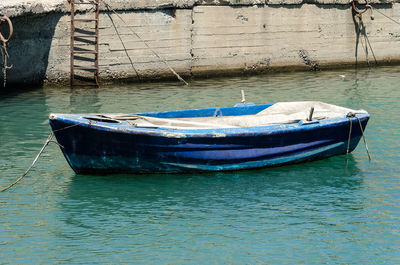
(93, 148)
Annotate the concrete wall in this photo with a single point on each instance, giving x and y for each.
(199, 38)
(303, 36)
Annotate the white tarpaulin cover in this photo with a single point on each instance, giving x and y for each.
(279, 113)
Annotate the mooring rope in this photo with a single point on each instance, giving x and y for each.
(145, 43)
(385, 15)
(365, 141)
(360, 11)
(4, 56)
(49, 140)
(123, 45)
(348, 140)
(365, 48)
(4, 53)
(361, 29)
(70, 126)
(349, 116)
(370, 47)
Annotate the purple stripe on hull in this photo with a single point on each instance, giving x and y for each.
(249, 153)
(315, 154)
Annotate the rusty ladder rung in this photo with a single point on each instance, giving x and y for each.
(85, 68)
(88, 84)
(86, 3)
(86, 19)
(84, 36)
(93, 42)
(82, 52)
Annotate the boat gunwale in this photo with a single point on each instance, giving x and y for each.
(80, 120)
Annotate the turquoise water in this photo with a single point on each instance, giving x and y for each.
(323, 212)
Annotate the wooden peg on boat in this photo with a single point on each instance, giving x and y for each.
(310, 114)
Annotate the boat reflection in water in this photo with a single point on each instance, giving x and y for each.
(260, 196)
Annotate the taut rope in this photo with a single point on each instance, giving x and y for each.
(349, 116)
(49, 140)
(147, 45)
(386, 16)
(365, 141)
(349, 138)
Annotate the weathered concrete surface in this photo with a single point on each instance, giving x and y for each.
(199, 37)
(168, 33)
(29, 49)
(13, 8)
(306, 36)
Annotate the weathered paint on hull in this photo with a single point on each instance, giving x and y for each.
(95, 149)
(84, 164)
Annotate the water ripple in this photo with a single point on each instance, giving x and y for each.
(321, 212)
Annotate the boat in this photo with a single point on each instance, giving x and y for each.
(211, 139)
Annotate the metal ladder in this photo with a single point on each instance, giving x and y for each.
(85, 46)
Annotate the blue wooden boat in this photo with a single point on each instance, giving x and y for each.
(211, 139)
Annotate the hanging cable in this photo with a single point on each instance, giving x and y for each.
(145, 43)
(385, 15)
(361, 29)
(123, 45)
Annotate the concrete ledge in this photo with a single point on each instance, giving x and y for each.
(13, 8)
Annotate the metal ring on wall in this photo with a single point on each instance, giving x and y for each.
(10, 26)
(358, 11)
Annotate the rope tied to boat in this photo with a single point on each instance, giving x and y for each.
(4, 52)
(48, 140)
(363, 136)
(354, 115)
(349, 115)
